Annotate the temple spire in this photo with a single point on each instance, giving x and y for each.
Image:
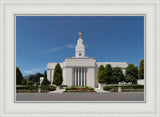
(80, 35)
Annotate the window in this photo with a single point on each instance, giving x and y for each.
(80, 54)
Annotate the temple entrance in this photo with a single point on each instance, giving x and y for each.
(79, 76)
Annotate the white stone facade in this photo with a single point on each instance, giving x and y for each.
(80, 70)
(140, 81)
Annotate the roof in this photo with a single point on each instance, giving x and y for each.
(113, 64)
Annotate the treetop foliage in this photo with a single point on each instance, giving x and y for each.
(35, 77)
(109, 71)
(117, 75)
(101, 74)
(141, 69)
(57, 77)
(24, 81)
(19, 76)
(45, 81)
(131, 73)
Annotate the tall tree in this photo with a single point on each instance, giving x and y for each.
(131, 73)
(101, 74)
(24, 81)
(58, 77)
(108, 74)
(19, 76)
(117, 75)
(141, 69)
(45, 81)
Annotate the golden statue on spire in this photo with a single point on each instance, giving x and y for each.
(79, 34)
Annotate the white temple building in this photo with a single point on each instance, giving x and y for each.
(80, 70)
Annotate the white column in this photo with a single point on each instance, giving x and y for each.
(81, 76)
(78, 76)
(75, 75)
(84, 76)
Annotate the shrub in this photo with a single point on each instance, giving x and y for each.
(27, 87)
(49, 88)
(45, 81)
(133, 87)
(86, 87)
(30, 83)
(110, 88)
(64, 85)
(21, 88)
(68, 88)
(79, 89)
(37, 83)
(31, 87)
(107, 88)
(73, 87)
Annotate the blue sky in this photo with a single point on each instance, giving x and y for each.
(43, 39)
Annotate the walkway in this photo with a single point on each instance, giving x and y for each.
(122, 96)
(100, 90)
(58, 90)
(62, 90)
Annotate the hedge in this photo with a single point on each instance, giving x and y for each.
(110, 88)
(115, 88)
(133, 87)
(30, 87)
(49, 88)
(79, 88)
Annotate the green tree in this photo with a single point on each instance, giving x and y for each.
(30, 78)
(141, 70)
(108, 74)
(117, 75)
(24, 81)
(30, 83)
(19, 76)
(45, 81)
(58, 77)
(131, 73)
(36, 77)
(101, 74)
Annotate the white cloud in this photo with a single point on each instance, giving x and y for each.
(35, 70)
(56, 49)
(28, 71)
(61, 47)
(70, 46)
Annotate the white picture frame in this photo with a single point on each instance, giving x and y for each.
(148, 8)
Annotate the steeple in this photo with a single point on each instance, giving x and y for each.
(80, 35)
(80, 48)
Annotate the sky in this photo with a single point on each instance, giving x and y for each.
(44, 39)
